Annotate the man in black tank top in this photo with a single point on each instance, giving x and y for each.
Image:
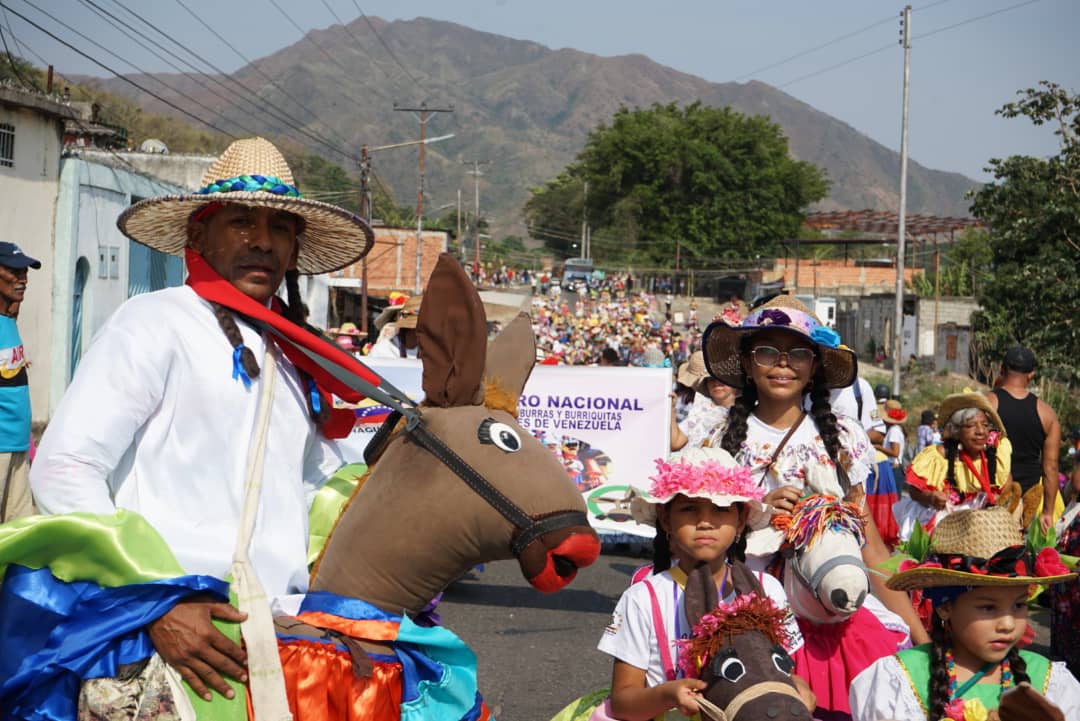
(1033, 430)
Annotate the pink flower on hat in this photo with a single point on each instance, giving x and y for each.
(710, 477)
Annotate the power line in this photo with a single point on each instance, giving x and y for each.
(239, 54)
(389, 52)
(814, 49)
(140, 70)
(362, 45)
(321, 49)
(918, 37)
(102, 65)
(277, 115)
(977, 17)
(835, 40)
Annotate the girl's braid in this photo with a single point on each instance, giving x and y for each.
(735, 430)
(1018, 666)
(824, 419)
(294, 311)
(939, 672)
(227, 323)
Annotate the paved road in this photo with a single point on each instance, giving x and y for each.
(536, 651)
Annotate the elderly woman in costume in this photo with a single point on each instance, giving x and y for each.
(970, 469)
(161, 415)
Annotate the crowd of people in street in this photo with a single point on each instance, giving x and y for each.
(200, 424)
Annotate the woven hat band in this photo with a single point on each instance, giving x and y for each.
(251, 184)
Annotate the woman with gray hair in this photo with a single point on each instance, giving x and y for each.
(970, 469)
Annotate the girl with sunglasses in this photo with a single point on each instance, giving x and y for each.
(780, 354)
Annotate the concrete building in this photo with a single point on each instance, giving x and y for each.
(31, 135)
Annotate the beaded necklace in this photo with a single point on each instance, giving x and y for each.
(950, 667)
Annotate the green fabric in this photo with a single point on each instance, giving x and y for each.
(327, 506)
(221, 708)
(916, 664)
(116, 550)
(111, 551)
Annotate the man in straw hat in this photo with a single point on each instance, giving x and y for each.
(170, 401)
(977, 576)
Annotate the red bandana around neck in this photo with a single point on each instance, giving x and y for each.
(210, 286)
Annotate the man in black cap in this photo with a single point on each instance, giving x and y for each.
(1033, 430)
(15, 498)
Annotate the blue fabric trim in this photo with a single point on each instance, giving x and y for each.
(238, 367)
(56, 634)
(354, 608)
(316, 403)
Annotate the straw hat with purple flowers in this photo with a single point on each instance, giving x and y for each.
(723, 343)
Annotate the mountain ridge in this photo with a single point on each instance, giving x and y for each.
(527, 108)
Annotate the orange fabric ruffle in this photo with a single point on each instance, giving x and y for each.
(323, 687)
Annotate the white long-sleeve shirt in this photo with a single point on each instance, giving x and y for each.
(155, 423)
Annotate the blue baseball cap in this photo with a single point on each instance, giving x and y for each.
(11, 256)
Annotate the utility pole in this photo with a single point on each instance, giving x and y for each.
(423, 110)
(585, 250)
(460, 240)
(898, 330)
(365, 213)
(475, 172)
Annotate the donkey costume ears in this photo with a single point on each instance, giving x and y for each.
(701, 595)
(452, 333)
(512, 355)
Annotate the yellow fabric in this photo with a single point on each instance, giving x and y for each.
(931, 466)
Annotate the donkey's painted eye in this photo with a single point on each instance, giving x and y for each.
(783, 662)
(730, 669)
(499, 435)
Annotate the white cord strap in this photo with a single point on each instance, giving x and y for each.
(265, 678)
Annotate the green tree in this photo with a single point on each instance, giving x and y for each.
(1032, 294)
(718, 183)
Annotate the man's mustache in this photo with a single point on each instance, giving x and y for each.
(265, 260)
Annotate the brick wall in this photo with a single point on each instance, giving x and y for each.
(392, 262)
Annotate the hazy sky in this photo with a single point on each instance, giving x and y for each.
(959, 75)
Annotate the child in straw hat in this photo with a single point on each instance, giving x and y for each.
(701, 503)
(978, 575)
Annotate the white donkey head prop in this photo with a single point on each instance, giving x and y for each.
(824, 575)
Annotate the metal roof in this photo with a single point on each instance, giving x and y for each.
(887, 222)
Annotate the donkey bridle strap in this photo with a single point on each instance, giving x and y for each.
(731, 711)
(529, 528)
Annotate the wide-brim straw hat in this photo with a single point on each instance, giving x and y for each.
(402, 316)
(893, 413)
(978, 535)
(693, 372)
(700, 473)
(253, 172)
(722, 342)
(959, 401)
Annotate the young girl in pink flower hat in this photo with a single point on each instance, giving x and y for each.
(701, 503)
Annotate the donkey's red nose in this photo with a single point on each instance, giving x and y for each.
(576, 551)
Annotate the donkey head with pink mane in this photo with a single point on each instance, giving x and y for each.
(738, 649)
(823, 571)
